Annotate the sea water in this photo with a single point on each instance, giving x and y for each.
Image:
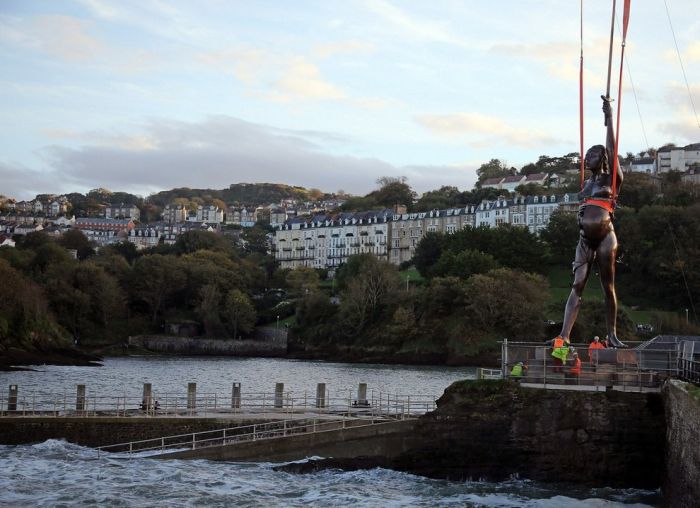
(57, 473)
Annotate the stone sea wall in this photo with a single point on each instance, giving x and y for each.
(682, 479)
(267, 343)
(497, 429)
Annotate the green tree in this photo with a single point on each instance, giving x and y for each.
(561, 236)
(209, 310)
(444, 197)
(393, 191)
(303, 279)
(74, 239)
(155, 281)
(507, 302)
(192, 241)
(240, 313)
(428, 251)
(464, 264)
(368, 295)
(493, 169)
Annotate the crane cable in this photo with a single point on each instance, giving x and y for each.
(616, 162)
(680, 60)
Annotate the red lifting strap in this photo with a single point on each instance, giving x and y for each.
(580, 101)
(616, 163)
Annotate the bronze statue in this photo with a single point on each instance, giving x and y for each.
(597, 241)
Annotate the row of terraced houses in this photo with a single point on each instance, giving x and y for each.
(326, 241)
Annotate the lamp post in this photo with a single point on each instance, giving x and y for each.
(686, 316)
(407, 279)
(277, 328)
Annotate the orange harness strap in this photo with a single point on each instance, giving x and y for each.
(602, 203)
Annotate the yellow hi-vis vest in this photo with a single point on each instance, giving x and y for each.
(517, 370)
(560, 350)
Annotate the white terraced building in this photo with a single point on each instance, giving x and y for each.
(325, 241)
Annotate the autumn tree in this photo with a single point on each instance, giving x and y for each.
(368, 294)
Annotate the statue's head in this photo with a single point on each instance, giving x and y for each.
(597, 159)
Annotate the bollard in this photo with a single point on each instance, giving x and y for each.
(321, 395)
(279, 395)
(147, 399)
(191, 395)
(362, 395)
(236, 396)
(12, 398)
(80, 398)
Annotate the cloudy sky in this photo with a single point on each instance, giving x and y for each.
(144, 95)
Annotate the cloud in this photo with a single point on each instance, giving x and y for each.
(347, 47)
(414, 27)
(212, 154)
(302, 80)
(22, 182)
(561, 59)
(486, 129)
(63, 37)
(684, 119)
(690, 54)
(246, 64)
(288, 78)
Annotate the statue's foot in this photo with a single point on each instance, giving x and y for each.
(615, 342)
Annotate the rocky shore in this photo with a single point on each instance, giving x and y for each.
(13, 358)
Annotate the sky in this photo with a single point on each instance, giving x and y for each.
(146, 95)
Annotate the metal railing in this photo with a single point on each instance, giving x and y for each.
(241, 434)
(627, 369)
(212, 404)
(689, 370)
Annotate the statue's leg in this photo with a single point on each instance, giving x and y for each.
(582, 269)
(607, 253)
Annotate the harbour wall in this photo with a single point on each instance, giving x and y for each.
(267, 343)
(102, 431)
(682, 476)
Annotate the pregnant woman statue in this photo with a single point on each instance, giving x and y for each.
(597, 241)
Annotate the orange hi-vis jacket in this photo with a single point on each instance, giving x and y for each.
(592, 347)
(576, 369)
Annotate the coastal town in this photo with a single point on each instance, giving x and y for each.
(316, 234)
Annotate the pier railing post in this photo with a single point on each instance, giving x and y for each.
(12, 398)
(321, 395)
(236, 396)
(279, 395)
(147, 398)
(191, 396)
(362, 395)
(80, 405)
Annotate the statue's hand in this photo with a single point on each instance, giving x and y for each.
(607, 108)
